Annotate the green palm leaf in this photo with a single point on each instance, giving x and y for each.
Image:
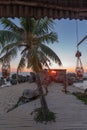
(50, 53)
(8, 24)
(49, 38)
(43, 26)
(22, 63)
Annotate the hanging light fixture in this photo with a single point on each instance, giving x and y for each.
(6, 68)
(79, 67)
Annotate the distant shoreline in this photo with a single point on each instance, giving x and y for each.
(22, 73)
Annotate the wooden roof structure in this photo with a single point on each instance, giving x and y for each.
(72, 9)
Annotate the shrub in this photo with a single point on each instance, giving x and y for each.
(39, 117)
(81, 96)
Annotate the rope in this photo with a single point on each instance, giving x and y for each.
(79, 63)
(77, 33)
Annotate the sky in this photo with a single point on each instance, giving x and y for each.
(70, 32)
(66, 47)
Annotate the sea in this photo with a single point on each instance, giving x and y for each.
(22, 73)
(82, 84)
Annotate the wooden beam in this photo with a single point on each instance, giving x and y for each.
(43, 5)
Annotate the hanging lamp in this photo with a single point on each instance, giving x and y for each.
(6, 68)
(79, 67)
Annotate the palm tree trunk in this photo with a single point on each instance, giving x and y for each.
(42, 97)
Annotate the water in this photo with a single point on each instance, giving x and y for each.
(20, 73)
(82, 85)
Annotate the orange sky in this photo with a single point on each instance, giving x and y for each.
(68, 69)
(24, 70)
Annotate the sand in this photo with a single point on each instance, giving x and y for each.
(10, 95)
(71, 113)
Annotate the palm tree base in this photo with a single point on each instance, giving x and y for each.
(39, 116)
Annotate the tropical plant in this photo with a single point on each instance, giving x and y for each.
(7, 41)
(35, 54)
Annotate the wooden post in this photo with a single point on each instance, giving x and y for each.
(65, 82)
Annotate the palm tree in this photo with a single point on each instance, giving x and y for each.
(7, 40)
(34, 35)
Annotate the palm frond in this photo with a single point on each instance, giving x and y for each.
(28, 24)
(33, 61)
(22, 63)
(11, 54)
(8, 37)
(10, 47)
(44, 25)
(49, 38)
(50, 53)
(8, 24)
(43, 59)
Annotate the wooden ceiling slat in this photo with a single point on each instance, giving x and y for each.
(72, 9)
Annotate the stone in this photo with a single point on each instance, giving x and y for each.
(28, 93)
